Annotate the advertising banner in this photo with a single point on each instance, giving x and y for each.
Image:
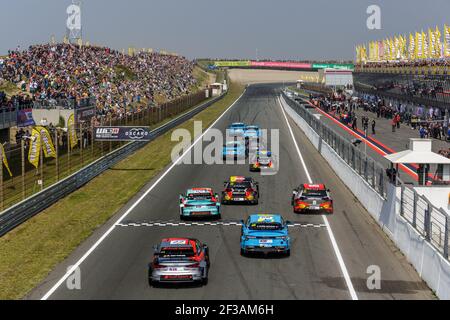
(333, 66)
(47, 143)
(84, 114)
(25, 118)
(122, 133)
(276, 64)
(5, 161)
(72, 131)
(35, 148)
(245, 63)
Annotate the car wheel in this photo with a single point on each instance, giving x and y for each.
(219, 216)
(205, 281)
(288, 253)
(243, 252)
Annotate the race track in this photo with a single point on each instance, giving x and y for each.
(117, 267)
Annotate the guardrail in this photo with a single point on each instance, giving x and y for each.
(430, 222)
(22, 211)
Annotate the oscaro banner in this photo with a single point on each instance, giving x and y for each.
(122, 133)
(232, 63)
(333, 66)
(275, 64)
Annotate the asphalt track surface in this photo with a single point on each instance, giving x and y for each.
(117, 267)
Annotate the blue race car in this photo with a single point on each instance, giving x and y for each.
(252, 132)
(199, 203)
(235, 150)
(236, 129)
(265, 233)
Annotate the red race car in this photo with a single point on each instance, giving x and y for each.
(310, 198)
(240, 190)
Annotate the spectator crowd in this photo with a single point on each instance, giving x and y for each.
(429, 122)
(55, 74)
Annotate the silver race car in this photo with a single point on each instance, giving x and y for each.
(179, 260)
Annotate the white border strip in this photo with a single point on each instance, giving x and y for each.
(103, 237)
(341, 262)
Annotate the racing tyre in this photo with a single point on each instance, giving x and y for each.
(288, 253)
(243, 252)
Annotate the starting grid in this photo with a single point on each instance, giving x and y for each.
(236, 223)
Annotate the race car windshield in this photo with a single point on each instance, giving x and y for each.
(240, 185)
(199, 196)
(176, 252)
(266, 226)
(314, 193)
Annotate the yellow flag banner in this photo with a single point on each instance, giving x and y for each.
(35, 148)
(5, 161)
(47, 143)
(438, 43)
(412, 47)
(446, 41)
(72, 131)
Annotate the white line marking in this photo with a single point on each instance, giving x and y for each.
(347, 278)
(99, 241)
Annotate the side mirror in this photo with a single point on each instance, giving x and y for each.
(155, 248)
(288, 222)
(241, 221)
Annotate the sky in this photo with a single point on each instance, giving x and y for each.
(276, 29)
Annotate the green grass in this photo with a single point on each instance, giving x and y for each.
(32, 250)
(9, 88)
(128, 74)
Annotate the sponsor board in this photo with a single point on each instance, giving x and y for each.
(277, 64)
(333, 66)
(120, 133)
(232, 63)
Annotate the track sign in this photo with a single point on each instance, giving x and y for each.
(122, 133)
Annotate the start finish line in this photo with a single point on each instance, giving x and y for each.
(120, 133)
